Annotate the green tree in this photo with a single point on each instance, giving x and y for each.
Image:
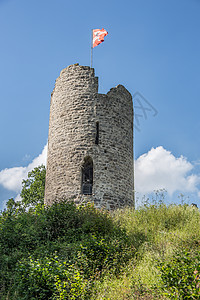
(33, 188)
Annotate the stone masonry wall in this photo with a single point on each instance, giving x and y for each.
(75, 109)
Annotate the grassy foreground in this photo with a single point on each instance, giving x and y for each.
(69, 252)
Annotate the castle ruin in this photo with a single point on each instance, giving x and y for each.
(90, 143)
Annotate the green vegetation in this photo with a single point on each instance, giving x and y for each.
(32, 192)
(77, 252)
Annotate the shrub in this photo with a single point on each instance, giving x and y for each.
(87, 242)
(48, 278)
(180, 277)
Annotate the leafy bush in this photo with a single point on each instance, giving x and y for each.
(48, 278)
(180, 276)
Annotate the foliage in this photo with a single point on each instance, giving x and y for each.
(49, 278)
(33, 188)
(181, 275)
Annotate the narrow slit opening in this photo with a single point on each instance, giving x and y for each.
(97, 134)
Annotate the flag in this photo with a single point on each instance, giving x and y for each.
(98, 36)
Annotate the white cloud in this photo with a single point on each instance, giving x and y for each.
(159, 168)
(11, 178)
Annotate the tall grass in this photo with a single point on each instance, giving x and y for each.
(158, 232)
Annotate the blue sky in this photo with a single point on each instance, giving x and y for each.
(152, 48)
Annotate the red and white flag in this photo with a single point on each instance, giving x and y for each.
(98, 36)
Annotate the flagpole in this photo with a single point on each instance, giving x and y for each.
(91, 48)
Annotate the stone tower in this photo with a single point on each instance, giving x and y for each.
(90, 144)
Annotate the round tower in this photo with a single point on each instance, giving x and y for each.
(90, 144)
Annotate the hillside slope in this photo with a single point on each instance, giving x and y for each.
(70, 252)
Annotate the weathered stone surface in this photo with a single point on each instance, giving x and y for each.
(75, 109)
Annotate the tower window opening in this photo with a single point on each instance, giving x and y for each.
(97, 134)
(87, 176)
